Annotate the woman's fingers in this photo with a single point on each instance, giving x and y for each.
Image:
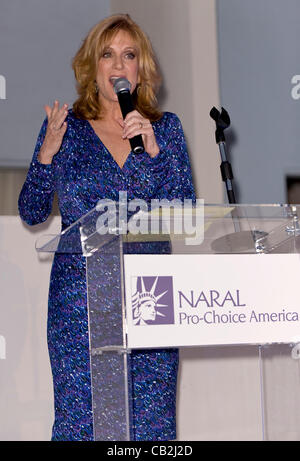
(61, 116)
(134, 117)
(136, 129)
(55, 131)
(48, 111)
(55, 108)
(56, 124)
(135, 124)
(55, 111)
(56, 116)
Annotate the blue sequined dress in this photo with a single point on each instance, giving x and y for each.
(81, 173)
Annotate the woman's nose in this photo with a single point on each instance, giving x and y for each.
(118, 62)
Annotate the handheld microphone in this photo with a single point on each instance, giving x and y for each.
(122, 89)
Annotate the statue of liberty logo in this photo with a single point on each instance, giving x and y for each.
(152, 300)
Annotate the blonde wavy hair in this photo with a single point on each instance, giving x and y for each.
(85, 64)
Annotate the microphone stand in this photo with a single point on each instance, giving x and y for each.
(239, 239)
(222, 122)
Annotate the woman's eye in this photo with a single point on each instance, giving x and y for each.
(130, 55)
(106, 54)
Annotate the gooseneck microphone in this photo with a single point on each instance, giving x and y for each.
(122, 89)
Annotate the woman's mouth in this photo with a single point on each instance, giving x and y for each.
(113, 78)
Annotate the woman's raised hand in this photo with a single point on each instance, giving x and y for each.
(55, 132)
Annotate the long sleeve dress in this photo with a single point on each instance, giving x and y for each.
(81, 173)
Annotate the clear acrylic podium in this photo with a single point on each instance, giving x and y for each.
(227, 229)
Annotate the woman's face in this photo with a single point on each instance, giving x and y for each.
(119, 59)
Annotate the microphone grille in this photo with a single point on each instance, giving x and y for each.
(121, 84)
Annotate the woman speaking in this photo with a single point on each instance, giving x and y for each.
(83, 154)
